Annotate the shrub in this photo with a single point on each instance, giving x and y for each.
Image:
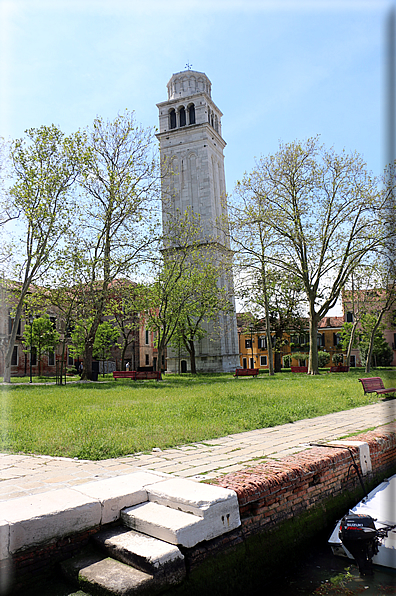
(338, 358)
(323, 359)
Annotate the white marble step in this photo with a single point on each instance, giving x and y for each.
(164, 523)
(143, 552)
(217, 506)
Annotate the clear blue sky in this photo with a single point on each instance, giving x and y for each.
(280, 70)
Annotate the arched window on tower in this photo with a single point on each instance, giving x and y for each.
(191, 114)
(211, 120)
(182, 116)
(209, 116)
(216, 124)
(172, 119)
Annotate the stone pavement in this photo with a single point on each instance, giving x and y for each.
(22, 475)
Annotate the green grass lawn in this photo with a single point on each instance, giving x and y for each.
(110, 419)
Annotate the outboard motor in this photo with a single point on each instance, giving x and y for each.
(360, 536)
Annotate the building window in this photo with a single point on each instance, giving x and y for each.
(248, 343)
(70, 360)
(14, 357)
(182, 117)
(262, 343)
(352, 361)
(263, 360)
(51, 358)
(53, 322)
(191, 114)
(147, 337)
(251, 362)
(244, 362)
(349, 317)
(172, 119)
(321, 339)
(336, 339)
(147, 359)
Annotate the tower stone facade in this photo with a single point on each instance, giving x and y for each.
(191, 147)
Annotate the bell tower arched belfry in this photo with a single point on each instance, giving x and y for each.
(191, 147)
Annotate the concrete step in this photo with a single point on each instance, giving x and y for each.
(148, 554)
(96, 574)
(164, 523)
(217, 506)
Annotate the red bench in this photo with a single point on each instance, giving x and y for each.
(246, 372)
(339, 368)
(137, 375)
(299, 369)
(147, 374)
(376, 385)
(123, 374)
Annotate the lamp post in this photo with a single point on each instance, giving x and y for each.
(31, 342)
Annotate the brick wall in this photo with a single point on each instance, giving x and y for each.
(278, 490)
(269, 494)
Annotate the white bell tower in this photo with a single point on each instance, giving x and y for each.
(191, 145)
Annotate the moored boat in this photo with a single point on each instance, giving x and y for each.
(368, 532)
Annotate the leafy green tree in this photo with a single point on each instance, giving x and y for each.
(345, 336)
(203, 306)
(105, 338)
(325, 213)
(42, 336)
(372, 344)
(186, 293)
(45, 167)
(117, 209)
(371, 296)
(122, 311)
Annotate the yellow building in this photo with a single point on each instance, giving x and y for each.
(253, 349)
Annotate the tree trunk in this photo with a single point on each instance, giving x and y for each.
(87, 357)
(350, 344)
(191, 351)
(313, 367)
(267, 323)
(62, 360)
(11, 341)
(278, 355)
(124, 349)
(371, 345)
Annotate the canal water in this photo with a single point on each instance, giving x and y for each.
(318, 573)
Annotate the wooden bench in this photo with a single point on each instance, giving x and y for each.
(299, 369)
(246, 372)
(123, 374)
(376, 385)
(339, 368)
(137, 375)
(147, 374)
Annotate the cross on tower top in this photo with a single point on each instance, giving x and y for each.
(188, 66)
